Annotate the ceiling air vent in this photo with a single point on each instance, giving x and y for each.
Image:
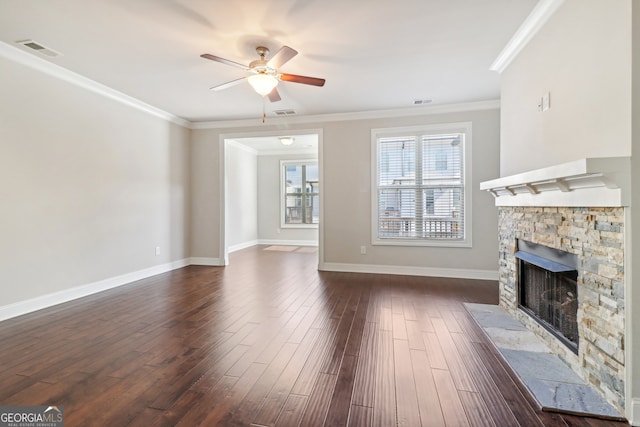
(284, 112)
(37, 47)
(422, 101)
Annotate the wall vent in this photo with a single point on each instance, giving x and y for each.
(284, 112)
(38, 47)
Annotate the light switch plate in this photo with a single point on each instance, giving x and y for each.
(546, 101)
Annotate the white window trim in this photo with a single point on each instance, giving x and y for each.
(461, 127)
(283, 224)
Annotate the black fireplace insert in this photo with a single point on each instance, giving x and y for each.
(548, 289)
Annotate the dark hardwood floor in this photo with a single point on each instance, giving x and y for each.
(266, 341)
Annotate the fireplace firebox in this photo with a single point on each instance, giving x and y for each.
(548, 291)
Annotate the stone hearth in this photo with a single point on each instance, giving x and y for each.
(552, 383)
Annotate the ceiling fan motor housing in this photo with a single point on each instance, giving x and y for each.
(262, 65)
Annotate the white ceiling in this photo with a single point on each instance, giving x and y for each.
(265, 145)
(374, 54)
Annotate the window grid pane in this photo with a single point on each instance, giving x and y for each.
(301, 201)
(431, 209)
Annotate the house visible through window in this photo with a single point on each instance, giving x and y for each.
(300, 194)
(419, 189)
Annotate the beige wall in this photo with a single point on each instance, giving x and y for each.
(205, 188)
(205, 191)
(582, 58)
(347, 185)
(346, 175)
(242, 195)
(89, 187)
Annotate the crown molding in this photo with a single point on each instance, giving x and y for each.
(361, 115)
(24, 58)
(529, 28)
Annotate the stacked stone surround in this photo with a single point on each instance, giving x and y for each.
(596, 235)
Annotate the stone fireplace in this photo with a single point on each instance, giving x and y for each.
(595, 236)
(579, 209)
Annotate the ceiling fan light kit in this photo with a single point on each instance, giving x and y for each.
(286, 140)
(263, 83)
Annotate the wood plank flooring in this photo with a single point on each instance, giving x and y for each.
(269, 341)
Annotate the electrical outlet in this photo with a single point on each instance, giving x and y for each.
(363, 250)
(157, 250)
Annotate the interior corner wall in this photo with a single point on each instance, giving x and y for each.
(90, 187)
(269, 227)
(205, 192)
(242, 196)
(582, 58)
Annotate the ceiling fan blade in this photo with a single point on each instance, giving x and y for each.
(274, 96)
(228, 84)
(281, 57)
(314, 81)
(224, 61)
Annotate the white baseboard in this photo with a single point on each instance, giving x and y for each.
(633, 413)
(251, 243)
(457, 273)
(288, 242)
(49, 300)
(212, 262)
(244, 245)
(23, 307)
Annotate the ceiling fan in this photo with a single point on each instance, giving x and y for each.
(265, 75)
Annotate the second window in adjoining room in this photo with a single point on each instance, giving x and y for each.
(300, 189)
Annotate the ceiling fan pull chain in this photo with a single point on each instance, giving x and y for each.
(264, 113)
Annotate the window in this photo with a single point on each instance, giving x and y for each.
(419, 182)
(300, 194)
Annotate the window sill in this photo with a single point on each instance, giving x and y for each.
(422, 243)
(303, 226)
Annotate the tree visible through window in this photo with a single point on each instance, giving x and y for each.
(300, 198)
(419, 186)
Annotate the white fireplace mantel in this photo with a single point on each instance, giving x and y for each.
(602, 181)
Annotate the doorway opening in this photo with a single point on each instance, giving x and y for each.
(271, 191)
